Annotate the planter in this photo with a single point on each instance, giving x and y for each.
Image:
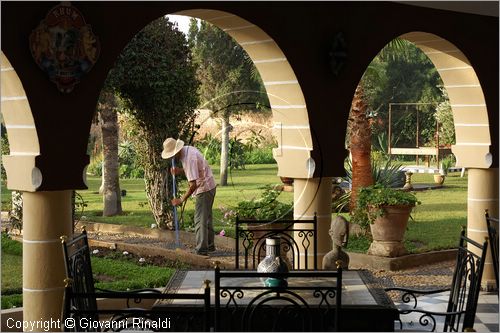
(287, 181)
(388, 231)
(439, 179)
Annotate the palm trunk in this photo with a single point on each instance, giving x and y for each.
(360, 143)
(110, 170)
(224, 154)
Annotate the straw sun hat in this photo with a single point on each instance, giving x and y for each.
(171, 147)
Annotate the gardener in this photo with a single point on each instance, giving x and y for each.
(201, 185)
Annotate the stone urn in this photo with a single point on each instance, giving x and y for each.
(273, 263)
(388, 231)
(439, 178)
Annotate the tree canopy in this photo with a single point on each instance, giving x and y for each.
(156, 79)
(229, 80)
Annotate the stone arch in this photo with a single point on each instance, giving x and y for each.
(290, 116)
(22, 174)
(470, 115)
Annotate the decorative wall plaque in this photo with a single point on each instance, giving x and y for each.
(64, 46)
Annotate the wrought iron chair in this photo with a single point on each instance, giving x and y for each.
(308, 301)
(492, 224)
(80, 300)
(253, 234)
(464, 291)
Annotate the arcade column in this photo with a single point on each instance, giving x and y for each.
(482, 194)
(314, 196)
(46, 216)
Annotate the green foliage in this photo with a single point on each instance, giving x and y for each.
(387, 174)
(263, 155)
(267, 207)
(5, 150)
(446, 163)
(444, 116)
(359, 244)
(10, 246)
(371, 199)
(12, 301)
(156, 80)
(129, 161)
(240, 154)
(95, 166)
(209, 145)
(402, 73)
(236, 154)
(229, 80)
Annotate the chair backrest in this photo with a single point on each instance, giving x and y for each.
(466, 283)
(80, 299)
(79, 278)
(297, 243)
(307, 301)
(492, 224)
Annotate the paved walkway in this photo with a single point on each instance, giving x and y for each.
(486, 315)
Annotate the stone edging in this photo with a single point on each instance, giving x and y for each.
(361, 260)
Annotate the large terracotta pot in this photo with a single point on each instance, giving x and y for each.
(388, 231)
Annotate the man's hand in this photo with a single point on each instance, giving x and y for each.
(176, 171)
(176, 202)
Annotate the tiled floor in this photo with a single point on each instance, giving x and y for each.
(487, 317)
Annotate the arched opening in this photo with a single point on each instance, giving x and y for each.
(466, 98)
(472, 136)
(20, 125)
(290, 118)
(472, 131)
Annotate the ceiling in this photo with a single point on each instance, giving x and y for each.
(488, 8)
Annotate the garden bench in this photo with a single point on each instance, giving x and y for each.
(297, 242)
(80, 300)
(310, 301)
(492, 224)
(463, 294)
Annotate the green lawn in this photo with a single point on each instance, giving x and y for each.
(436, 223)
(243, 185)
(114, 272)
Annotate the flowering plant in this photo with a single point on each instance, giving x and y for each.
(228, 215)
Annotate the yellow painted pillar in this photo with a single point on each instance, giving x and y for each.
(312, 196)
(482, 194)
(46, 216)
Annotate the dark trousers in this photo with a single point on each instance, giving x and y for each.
(203, 224)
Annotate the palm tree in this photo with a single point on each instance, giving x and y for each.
(360, 145)
(110, 171)
(358, 126)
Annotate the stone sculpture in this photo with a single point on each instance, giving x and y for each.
(339, 232)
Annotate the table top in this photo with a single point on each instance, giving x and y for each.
(358, 287)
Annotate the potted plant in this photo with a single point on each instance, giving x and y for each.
(386, 211)
(443, 171)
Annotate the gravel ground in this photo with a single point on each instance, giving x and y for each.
(423, 277)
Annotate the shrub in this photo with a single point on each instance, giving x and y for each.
(10, 246)
(129, 161)
(387, 175)
(267, 207)
(262, 155)
(95, 166)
